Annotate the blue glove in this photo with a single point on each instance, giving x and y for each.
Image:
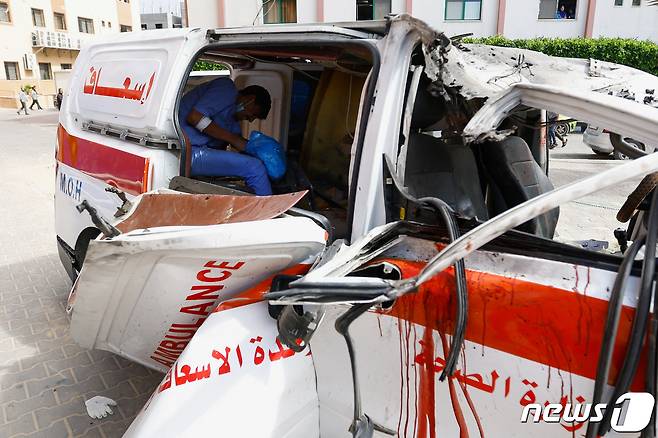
(269, 151)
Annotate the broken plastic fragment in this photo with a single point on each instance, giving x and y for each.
(99, 406)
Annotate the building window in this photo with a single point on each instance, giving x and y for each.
(103, 23)
(60, 21)
(557, 9)
(126, 28)
(372, 9)
(637, 2)
(109, 24)
(5, 17)
(619, 2)
(11, 71)
(45, 72)
(67, 66)
(144, 26)
(85, 25)
(279, 11)
(37, 18)
(158, 25)
(463, 9)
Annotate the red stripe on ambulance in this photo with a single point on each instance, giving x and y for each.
(120, 169)
(200, 302)
(559, 328)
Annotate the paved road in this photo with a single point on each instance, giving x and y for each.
(44, 376)
(592, 217)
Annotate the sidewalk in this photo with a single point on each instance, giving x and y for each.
(45, 377)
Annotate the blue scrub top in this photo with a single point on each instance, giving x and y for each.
(214, 99)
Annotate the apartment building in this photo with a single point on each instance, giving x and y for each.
(40, 39)
(512, 18)
(161, 20)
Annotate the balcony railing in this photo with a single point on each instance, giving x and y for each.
(54, 40)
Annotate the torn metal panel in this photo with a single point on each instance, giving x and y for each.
(484, 71)
(143, 294)
(623, 116)
(182, 209)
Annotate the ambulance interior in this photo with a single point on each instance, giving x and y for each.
(316, 93)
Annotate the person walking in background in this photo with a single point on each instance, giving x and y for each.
(553, 134)
(58, 99)
(22, 97)
(35, 98)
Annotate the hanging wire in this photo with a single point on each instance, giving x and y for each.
(265, 3)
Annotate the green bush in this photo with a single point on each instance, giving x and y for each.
(642, 55)
(206, 66)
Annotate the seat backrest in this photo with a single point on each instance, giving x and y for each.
(445, 171)
(514, 177)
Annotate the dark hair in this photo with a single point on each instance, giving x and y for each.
(262, 96)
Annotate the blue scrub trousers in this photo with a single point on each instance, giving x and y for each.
(214, 162)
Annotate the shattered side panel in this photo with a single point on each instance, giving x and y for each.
(144, 294)
(530, 339)
(183, 209)
(484, 71)
(581, 88)
(620, 115)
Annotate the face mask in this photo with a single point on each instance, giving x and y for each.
(241, 106)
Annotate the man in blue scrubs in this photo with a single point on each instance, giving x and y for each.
(210, 115)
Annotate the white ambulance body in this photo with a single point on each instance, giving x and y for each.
(381, 122)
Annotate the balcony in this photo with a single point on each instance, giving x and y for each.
(54, 40)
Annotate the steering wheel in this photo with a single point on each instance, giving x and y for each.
(634, 200)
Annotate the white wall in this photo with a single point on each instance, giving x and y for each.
(398, 6)
(96, 10)
(433, 13)
(626, 21)
(135, 13)
(16, 39)
(521, 17)
(242, 12)
(203, 13)
(166, 19)
(339, 10)
(521, 21)
(307, 11)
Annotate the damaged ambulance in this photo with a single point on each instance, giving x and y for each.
(405, 279)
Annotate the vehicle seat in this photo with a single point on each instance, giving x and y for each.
(515, 177)
(445, 171)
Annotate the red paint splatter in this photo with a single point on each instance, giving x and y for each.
(539, 326)
(469, 401)
(459, 415)
(427, 400)
(400, 322)
(415, 382)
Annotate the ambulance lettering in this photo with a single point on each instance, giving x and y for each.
(200, 302)
(70, 186)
